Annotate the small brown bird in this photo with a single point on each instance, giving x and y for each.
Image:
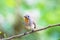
(29, 24)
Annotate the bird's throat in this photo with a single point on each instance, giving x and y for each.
(26, 20)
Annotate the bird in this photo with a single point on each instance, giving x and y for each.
(29, 24)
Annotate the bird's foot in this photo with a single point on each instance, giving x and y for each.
(34, 27)
(25, 33)
(32, 30)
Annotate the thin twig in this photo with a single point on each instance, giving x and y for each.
(20, 35)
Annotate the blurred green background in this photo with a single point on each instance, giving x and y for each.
(44, 13)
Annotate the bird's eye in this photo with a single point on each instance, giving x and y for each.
(28, 16)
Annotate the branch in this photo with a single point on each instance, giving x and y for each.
(20, 35)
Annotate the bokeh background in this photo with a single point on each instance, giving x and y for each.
(43, 12)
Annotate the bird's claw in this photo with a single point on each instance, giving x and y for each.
(32, 30)
(25, 33)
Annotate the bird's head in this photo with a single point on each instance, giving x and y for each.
(26, 17)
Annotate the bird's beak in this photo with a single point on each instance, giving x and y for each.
(25, 17)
